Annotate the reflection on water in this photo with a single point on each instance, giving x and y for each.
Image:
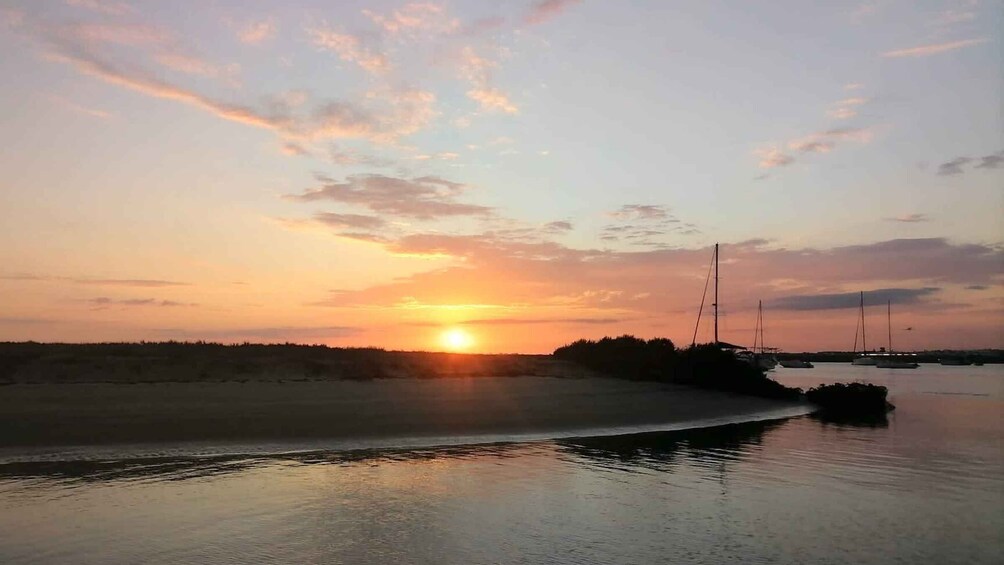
(922, 485)
(863, 420)
(658, 450)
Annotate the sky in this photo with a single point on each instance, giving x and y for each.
(501, 176)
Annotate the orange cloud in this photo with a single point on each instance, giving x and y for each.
(492, 99)
(350, 48)
(657, 292)
(415, 16)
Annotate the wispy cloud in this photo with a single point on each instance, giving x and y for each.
(478, 71)
(956, 166)
(558, 227)
(953, 167)
(910, 218)
(294, 149)
(159, 89)
(852, 299)
(130, 34)
(69, 104)
(137, 283)
(350, 48)
(645, 225)
(256, 32)
(933, 49)
(140, 283)
(846, 108)
(104, 302)
(773, 157)
(267, 334)
(383, 116)
(994, 161)
(415, 17)
(640, 212)
(482, 25)
(423, 198)
(107, 7)
(493, 99)
(192, 65)
(350, 221)
(819, 142)
(340, 156)
(545, 10)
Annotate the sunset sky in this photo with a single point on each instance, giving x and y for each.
(525, 172)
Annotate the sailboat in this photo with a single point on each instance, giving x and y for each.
(762, 358)
(864, 358)
(891, 360)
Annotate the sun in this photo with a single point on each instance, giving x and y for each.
(457, 339)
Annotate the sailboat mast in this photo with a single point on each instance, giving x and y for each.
(759, 325)
(864, 344)
(716, 294)
(888, 306)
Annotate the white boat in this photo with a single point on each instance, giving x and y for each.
(864, 358)
(893, 360)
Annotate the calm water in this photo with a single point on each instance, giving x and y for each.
(924, 486)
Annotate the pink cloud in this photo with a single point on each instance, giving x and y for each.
(545, 10)
(350, 48)
(253, 33)
(773, 157)
(492, 99)
(933, 49)
(119, 34)
(478, 71)
(415, 16)
(422, 198)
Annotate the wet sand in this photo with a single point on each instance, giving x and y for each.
(36, 415)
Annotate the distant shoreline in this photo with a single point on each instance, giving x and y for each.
(131, 363)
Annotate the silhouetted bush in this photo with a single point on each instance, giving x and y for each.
(625, 356)
(704, 366)
(850, 399)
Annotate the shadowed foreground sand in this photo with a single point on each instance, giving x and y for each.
(104, 414)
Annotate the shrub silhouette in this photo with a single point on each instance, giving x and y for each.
(704, 366)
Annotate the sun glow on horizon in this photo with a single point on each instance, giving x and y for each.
(457, 339)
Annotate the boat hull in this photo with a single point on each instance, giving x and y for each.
(896, 365)
(796, 364)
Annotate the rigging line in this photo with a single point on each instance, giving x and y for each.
(857, 328)
(703, 296)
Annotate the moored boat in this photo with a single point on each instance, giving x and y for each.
(892, 360)
(896, 361)
(864, 358)
(795, 364)
(955, 361)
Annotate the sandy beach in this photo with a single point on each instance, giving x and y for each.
(35, 415)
